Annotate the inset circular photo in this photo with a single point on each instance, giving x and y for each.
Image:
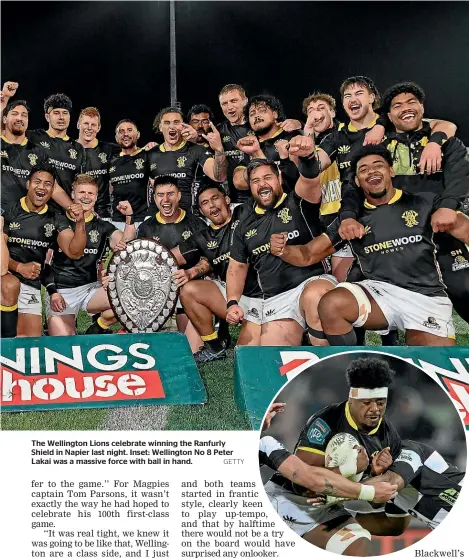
(362, 454)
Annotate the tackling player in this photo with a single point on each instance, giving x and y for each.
(362, 415)
(179, 158)
(291, 294)
(30, 229)
(403, 287)
(19, 156)
(76, 280)
(98, 157)
(203, 299)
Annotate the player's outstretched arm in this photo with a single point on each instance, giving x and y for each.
(235, 281)
(301, 255)
(61, 197)
(461, 228)
(239, 178)
(448, 128)
(183, 276)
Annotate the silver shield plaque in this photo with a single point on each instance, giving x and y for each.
(141, 290)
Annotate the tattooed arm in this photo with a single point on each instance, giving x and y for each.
(183, 276)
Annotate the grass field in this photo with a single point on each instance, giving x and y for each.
(220, 413)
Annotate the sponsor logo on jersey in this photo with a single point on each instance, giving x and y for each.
(32, 158)
(460, 262)
(3, 154)
(112, 169)
(393, 245)
(102, 157)
(73, 154)
(251, 233)
(431, 323)
(318, 431)
(45, 144)
(49, 228)
(367, 229)
(344, 165)
(212, 244)
(186, 235)
(293, 234)
(62, 164)
(226, 139)
(260, 249)
(450, 495)
(153, 166)
(139, 164)
(343, 149)
(410, 218)
(94, 236)
(284, 215)
(181, 161)
(14, 226)
(221, 258)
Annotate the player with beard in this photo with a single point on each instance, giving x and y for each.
(265, 114)
(98, 157)
(363, 416)
(179, 158)
(319, 109)
(204, 299)
(171, 226)
(66, 155)
(30, 229)
(403, 287)
(290, 293)
(76, 280)
(19, 156)
(129, 174)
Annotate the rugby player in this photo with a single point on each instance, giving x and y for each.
(98, 157)
(171, 226)
(66, 155)
(428, 487)
(317, 479)
(204, 299)
(180, 158)
(76, 280)
(402, 286)
(129, 174)
(265, 114)
(19, 156)
(30, 229)
(291, 294)
(363, 416)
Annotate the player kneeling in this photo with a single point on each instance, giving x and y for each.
(403, 287)
(76, 280)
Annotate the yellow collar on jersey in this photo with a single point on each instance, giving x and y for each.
(24, 142)
(95, 144)
(397, 196)
(351, 127)
(277, 133)
(26, 208)
(87, 219)
(182, 143)
(137, 150)
(160, 219)
(261, 211)
(216, 227)
(353, 424)
(65, 138)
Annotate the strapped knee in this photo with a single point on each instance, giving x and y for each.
(346, 536)
(364, 304)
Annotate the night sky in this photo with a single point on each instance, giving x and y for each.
(115, 55)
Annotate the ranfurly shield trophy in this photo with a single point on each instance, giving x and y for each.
(141, 290)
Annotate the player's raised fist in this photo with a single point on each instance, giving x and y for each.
(350, 229)
(384, 492)
(302, 146)
(9, 89)
(444, 219)
(76, 211)
(290, 125)
(234, 315)
(282, 146)
(381, 462)
(249, 145)
(125, 208)
(30, 270)
(277, 243)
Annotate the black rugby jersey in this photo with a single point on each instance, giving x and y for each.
(336, 419)
(215, 243)
(171, 235)
(66, 155)
(398, 244)
(432, 484)
(31, 234)
(128, 179)
(17, 162)
(271, 452)
(181, 163)
(98, 161)
(251, 242)
(290, 173)
(77, 273)
(230, 135)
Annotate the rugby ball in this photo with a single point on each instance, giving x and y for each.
(342, 449)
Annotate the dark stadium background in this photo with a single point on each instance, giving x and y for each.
(115, 55)
(417, 406)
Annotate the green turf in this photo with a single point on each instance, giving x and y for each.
(220, 413)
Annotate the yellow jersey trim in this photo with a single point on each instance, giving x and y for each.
(351, 127)
(311, 450)
(261, 211)
(353, 424)
(397, 196)
(160, 219)
(24, 142)
(121, 154)
(87, 219)
(277, 133)
(176, 148)
(25, 207)
(65, 138)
